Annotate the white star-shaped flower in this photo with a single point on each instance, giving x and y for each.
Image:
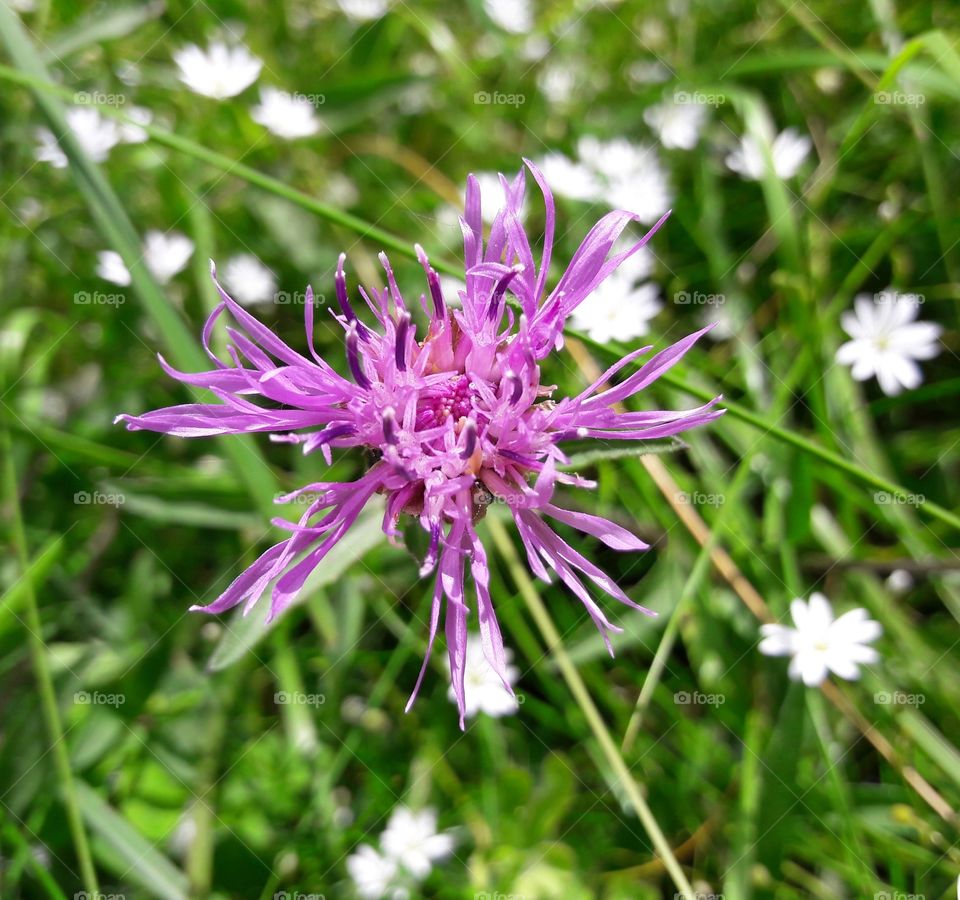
(678, 125)
(96, 134)
(636, 179)
(617, 309)
(820, 644)
(886, 341)
(221, 71)
(412, 840)
(133, 132)
(287, 115)
(787, 152)
(249, 280)
(166, 254)
(363, 10)
(515, 16)
(483, 690)
(110, 267)
(569, 178)
(371, 872)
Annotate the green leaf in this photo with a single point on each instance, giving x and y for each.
(245, 632)
(134, 857)
(589, 457)
(100, 26)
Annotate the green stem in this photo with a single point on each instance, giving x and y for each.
(580, 693)
(41, 666)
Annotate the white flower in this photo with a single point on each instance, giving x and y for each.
(110, 267)
(678, 125)
(899, 581)
(220, 71)
(363, 10)
(249, 280)
(287, 115)
(570, 179)
(886, 341)
(643, 72)
(787, 151)
(340, 190)
(483, 690)
(726, 321)
(635, 178)
(411, 839)
(511, 15)
(557, 82)
(133, 132)
(452, 288)
(616, 310)
(370, 872)
(492, 197)
(97, 137)
(166, 254)
(821, 644)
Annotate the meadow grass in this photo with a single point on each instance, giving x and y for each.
(148, 751)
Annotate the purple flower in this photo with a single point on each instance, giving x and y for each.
(457, 413)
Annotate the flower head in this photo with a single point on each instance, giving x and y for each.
(515, 16)
(363, 10)
(615, 171)
(96, 134)
(820, 644)
(412, 840)
(371, 872)
(786, 152)
(619, 309)
(456, 413)
(287, 115)
(482, 688)
(110, 267)
(133, 132)
(166, 253)
(249, 280)
(221, 71)
(886, 341)
(678, 125)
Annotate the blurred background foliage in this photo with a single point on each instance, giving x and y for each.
(195, 780)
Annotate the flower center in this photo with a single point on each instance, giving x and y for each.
(455, 398)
